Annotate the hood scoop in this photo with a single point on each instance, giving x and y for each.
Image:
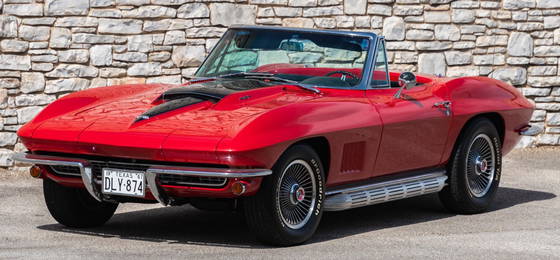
(168, 106)
(196, 92)
(213, 91)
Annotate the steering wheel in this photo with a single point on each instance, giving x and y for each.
(344, 74)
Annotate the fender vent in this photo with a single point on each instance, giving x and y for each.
(353, 157)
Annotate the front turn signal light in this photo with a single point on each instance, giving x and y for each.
(238, 188)
(35, 171)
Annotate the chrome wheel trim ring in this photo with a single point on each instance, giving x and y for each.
(297, 179)
(480, 165)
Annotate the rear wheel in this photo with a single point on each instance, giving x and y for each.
(75, 207)
(474, 169)
(289, 205)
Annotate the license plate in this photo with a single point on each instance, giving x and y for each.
(123, 182)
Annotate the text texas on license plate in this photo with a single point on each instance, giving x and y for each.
(123, 182)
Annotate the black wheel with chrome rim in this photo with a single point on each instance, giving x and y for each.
(480, 165)
(297, 193)
(288, 207)
(474, 169)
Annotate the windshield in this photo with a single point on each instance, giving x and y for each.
(317, 59)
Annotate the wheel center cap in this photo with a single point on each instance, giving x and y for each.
(297, 194)
(300, 194)
(481, 165)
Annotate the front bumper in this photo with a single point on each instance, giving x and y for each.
(152, 173)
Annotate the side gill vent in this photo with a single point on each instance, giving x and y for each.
(353, 157)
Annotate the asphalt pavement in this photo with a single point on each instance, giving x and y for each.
(523, 223)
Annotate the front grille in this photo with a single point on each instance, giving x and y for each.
(65, 170)
(164, 179)
(181, 180)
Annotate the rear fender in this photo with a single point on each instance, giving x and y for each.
(474, 96)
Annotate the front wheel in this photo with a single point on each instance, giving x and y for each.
(74, 207)
(289, 205)
(474, 169)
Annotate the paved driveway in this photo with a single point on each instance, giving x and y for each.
(524, 223)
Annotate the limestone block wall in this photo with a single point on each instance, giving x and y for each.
(49, 48)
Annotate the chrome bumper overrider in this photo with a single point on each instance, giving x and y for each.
(151, 174)
(85, 170)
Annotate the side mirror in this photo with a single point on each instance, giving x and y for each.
(407, 80)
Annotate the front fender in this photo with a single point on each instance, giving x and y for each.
(261, 140)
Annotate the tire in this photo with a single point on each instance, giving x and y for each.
(270, 213)
(74, 207)
(474, 169)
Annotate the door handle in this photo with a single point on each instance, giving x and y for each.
(445, 105)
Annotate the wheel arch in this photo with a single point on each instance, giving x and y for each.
(494, 117)
(497, 120)
(321, 146)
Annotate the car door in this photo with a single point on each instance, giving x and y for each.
(415, 125)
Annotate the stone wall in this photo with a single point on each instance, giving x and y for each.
(49, 48)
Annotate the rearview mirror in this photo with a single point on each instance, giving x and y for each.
(288, 45)
(407, 80)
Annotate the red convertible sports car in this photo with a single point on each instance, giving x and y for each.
(281, 124)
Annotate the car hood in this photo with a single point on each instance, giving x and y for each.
(145, 120)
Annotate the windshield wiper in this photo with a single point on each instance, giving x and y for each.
(269, 76)
(246, 74)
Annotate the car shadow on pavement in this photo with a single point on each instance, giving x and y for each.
(186, 225)
(408, 212)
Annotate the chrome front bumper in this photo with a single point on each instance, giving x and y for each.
(151, 174)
